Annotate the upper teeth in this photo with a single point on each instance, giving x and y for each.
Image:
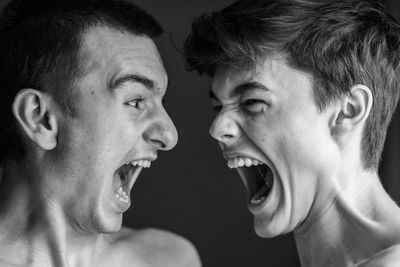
(142, 163)
(240, 162)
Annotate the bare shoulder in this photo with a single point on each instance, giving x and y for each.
(6, 264)
(389, 257)
(164, 248)
(152, 247)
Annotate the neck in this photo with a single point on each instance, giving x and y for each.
(33, 227)
(360, 221)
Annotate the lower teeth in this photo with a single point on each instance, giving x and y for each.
(123, 199)
(258, 200)
(122, 195)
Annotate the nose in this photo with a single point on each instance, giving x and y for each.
(224, 128)
(161, 134)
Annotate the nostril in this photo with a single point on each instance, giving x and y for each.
(224, 128)
(158, 144)
(226, 137)
(161, 136)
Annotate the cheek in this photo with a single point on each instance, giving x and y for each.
(116, 139)
(268, 130)
(294, 139)
(305, 147)
(127, 130)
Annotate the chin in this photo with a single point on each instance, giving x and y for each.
(108, 224)
(269, 228)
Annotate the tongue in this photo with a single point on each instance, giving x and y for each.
(117, 182)
(262, 192)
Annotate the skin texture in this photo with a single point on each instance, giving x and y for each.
(59, 206)
(321, 191)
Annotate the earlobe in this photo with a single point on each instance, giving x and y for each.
(354, 110)
(32, 111)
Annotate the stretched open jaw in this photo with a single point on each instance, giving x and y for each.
(256, 176)
(125, 177)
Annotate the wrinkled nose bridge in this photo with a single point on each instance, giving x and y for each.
(230, 107)
(224, 127)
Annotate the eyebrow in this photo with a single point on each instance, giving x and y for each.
(135, 78)
(240, 89)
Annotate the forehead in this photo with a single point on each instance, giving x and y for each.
(112, 52)
(226, 76)
(274, 73)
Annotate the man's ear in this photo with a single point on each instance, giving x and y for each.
(353, 110)
(32, 109)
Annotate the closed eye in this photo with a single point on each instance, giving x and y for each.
(254, 105)
(249, 102)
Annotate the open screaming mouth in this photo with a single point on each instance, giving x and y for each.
(125, 177)
(257, 178)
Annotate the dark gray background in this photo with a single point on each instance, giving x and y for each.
(190, 190)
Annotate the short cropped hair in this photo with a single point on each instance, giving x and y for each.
(40, 42)
(339, 43)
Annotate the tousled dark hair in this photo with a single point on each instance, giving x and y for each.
(339, 43)
(40, 43)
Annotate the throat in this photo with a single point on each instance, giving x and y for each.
(46, 234)
(34, 223)
(343, 225)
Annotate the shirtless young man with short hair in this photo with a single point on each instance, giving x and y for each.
(81, 85)
(304, 91)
